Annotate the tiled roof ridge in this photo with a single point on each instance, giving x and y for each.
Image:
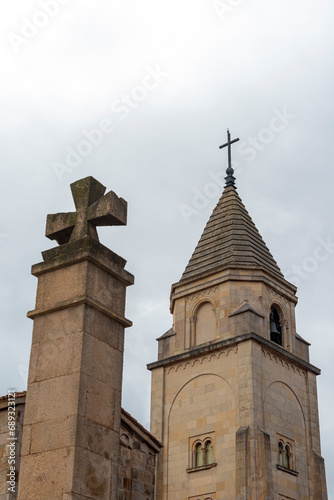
(252, 243)
(142, 428)
(230, 260)
(17, 395)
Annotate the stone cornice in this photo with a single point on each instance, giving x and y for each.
(186, 289)
(272, 347)
(84, 299)
(85, 249)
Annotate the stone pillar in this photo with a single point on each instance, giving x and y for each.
(242, 463)
(70, 444)
(265, 475)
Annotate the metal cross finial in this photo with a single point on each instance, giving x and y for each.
(92, 210)
(229, 171)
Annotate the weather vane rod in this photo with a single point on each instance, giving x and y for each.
(229, 171)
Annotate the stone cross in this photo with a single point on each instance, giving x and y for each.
(92, 209)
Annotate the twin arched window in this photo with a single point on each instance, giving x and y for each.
(203, 453)
(285, 455)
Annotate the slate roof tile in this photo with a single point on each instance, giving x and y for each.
(230, 240)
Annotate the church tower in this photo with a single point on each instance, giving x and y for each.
(234, 397)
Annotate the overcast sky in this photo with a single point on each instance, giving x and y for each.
(139, 95)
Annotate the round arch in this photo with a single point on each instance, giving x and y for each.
(286, 423)
(203, 321)
(292, 391)
(205, 398)
(194, 378)
(199, 303)
(277, 323)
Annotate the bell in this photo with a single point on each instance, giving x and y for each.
(275, 334)
(273, 327)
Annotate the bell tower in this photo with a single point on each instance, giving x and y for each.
(234, 397)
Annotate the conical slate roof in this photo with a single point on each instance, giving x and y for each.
(230, 240)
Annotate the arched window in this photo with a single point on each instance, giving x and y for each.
(280, 454)
(288, 457)
(201, 452)
(205, 324)
(199, 455)
(275, 326)
(285, 455)
(208, 453)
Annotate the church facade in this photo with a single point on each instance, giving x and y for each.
(234, 401)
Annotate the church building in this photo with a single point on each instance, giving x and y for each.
(234, 411)
(234, 397)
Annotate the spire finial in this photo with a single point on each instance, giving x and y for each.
(229, 171)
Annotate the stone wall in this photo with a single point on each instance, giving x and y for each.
(137, 458)
(245, 396)
(137, 463)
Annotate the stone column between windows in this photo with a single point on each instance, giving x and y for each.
(253, 455)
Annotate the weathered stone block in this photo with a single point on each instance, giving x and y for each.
(57, 324)
(102, 361)
(58, 397)
(92, 475)
(47, 474)
(101, 395)
(97, 438)
(61, 285)
(59, 357)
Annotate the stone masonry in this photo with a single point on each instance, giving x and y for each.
(137, 455)
(234, 410)
(220, 377)
(70, 446)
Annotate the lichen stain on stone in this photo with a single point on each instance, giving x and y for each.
(96, 484)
